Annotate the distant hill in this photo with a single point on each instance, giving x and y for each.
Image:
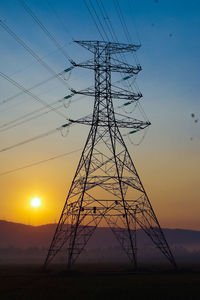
(19, 242)
(24, 236)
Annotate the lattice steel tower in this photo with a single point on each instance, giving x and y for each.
(106, 185)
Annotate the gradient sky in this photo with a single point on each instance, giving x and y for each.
(167, 160)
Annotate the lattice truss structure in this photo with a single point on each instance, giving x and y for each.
(106, 185)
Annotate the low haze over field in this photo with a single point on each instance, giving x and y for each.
(167, 159)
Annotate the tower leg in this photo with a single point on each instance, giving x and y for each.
(147, 220)
(125, 237)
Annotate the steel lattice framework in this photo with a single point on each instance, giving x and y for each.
(106, 185)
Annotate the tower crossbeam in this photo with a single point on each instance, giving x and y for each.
(114, 94)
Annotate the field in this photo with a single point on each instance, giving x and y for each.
(98, 282)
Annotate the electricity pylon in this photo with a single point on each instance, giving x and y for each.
(106, 185)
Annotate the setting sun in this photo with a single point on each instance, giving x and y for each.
(35, 202)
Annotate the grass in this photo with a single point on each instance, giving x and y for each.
(98, 282)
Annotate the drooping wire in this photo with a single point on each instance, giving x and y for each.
(145, 131)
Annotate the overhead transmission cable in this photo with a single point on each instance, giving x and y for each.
(8, 126)
(133, 22)
(40, 162)
(45, 30)
(49, 53)
(30, 88)
(36, 137)
(93, 19)
(30, 93)
(121, 18)
(124, 26)
(60, 19)
(33, 54)
(31, 115)
(99, 20)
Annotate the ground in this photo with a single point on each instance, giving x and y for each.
(98, 282)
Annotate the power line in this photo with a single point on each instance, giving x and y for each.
(107, 21)
(34, 138)
(134, 24)
(29, 89)
(49, 53)
(26, 115)
(8, 126)
(99, 19)
(59, 19)
(122, 21)
(20, 120)
(30, 93)
(124, 26)
(45, 30)
(93, 19)
(33, 54)
(39, 162)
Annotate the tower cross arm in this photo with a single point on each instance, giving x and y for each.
(113, 47)
(116, 95)
(126, 122)
(120, 68)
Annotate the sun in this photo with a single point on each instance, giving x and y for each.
(36, 202)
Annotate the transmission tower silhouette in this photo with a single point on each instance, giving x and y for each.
(106, 185)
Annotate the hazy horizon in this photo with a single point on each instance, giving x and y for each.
(168, 158)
